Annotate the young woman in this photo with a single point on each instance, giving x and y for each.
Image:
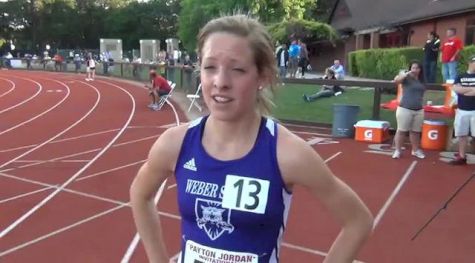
(410, 112)
(327, 90)
(233, 169)
(91, 68)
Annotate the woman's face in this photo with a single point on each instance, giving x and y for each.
(229, 76)
(415, 69)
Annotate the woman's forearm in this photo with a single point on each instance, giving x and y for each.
(350, 240)
(149, 229)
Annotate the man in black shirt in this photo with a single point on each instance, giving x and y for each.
(431, 55)
(464, 123)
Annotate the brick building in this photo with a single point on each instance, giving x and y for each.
(364, 24)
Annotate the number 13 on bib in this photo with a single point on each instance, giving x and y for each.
(245, 194)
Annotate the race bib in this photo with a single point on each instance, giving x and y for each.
(245, 194)
(196, 253)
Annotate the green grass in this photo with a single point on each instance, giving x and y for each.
(291, 106)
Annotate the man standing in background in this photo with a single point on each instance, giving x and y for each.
(431, 54)
(450, 51)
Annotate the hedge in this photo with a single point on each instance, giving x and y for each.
(385, 63)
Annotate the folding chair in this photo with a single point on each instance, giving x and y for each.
(164, 98)
(193, 98)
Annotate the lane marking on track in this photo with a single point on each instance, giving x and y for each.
(135, 241)
(332, 157)
(171, 186)
(57, 135)
(25, 101)
(306, 126)
(26, 194)
(109, 170)
(56, 232)
(83, 194)
(11, 89)
(72, 178)
(396, 190)
(133, 245)
(39, 115)
(63, 161)
(78, 154)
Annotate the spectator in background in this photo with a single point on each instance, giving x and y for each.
(464, 123)
(91, 67)
(294, 57)
(431, 54)
(410, 112)
(327, 90)
(77, 62)
(303, 62)
(159, 87)
(337, 67)
(450, 55)
(58, 61)
(282, 57)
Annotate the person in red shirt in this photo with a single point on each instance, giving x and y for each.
(450, 51)
(159, 87)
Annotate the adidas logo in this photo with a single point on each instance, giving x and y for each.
(190, 165)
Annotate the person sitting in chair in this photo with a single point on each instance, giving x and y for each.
(159, 87)
(327, 90)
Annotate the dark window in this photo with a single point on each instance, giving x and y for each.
(470, 32)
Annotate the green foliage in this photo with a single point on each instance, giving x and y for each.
(385, 63)
(195, 14)
(295, 9)
(304, 29)
(467, 52)
(382, 63)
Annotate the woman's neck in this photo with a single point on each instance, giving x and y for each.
(227, 140)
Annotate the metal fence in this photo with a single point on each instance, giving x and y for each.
(187, 79)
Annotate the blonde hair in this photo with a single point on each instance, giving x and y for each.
(261, 45)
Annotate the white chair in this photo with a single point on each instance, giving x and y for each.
(193, 98)
(165, 98)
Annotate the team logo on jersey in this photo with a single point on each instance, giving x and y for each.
(213, 218)
(190, 165)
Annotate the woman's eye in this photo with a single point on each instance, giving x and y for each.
(239, 70)
(209, 67)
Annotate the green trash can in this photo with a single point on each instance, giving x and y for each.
(344, 117)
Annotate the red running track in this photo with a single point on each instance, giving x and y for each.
(69, 150)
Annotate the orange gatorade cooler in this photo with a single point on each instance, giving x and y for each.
(434, 135)
(372, 131)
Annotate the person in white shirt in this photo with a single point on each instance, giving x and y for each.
(91, 68)
(338, 69)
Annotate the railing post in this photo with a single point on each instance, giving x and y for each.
(376, 103)
(122, 69)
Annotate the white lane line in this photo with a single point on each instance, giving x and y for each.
(55, 159)
(171, 186)
(59, 134)
(332, 157)
(110, 170)
(306, 126)
(25, 101)
(92, 196)
(61, 140)
(135, 241)
(40, 114)
(36, 240)
(79, 153)
(314, 133)
(11, 89)
(310, 250)
(72, 178)
(63, 161)
(25, 194)
(130, 250)
(396, 190)
(138, 140)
